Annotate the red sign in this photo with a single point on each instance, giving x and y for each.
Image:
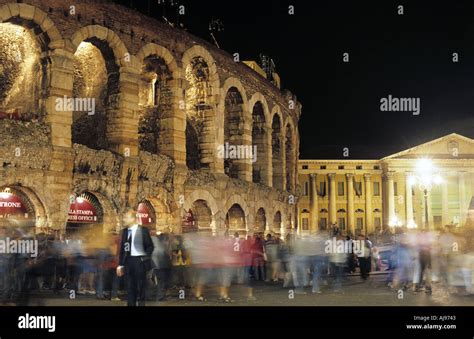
(12, 206)
(82, 211)
(144, 215)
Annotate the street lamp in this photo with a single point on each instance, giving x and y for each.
(425, 177)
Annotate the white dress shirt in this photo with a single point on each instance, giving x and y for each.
(133, 250)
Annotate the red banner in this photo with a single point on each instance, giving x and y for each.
(12, 206)
(82, 212)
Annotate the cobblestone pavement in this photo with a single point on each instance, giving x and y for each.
(354, 293)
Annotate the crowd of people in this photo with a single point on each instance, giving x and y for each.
(85, 263)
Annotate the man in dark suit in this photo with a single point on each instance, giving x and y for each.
(136, 247)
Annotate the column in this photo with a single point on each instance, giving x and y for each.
(408, 199)
(369, 220)
(332, 198)
(462, 199)
(313, 207)
(390, 197)
(444, 202)
(350, 202)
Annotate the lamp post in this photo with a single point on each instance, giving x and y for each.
(425, 177)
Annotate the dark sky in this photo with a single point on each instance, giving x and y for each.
(405, 56)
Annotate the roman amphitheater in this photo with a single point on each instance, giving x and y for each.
(165, 101)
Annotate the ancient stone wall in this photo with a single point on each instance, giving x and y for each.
(165, 102)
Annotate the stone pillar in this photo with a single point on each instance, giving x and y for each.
(350, 203)
(59, 176)
(368, 203)
(332, 198)
(313, 205)
(390, 198)
(283, 160)
(408, 199)
(122, 132)
(462, 198)
(172, 140)
(444, 203)
(122, 124)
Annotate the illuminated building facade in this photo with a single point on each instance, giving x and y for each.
(364, 196)
(103, 108)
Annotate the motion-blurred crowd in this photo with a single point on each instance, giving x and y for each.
(189, 264)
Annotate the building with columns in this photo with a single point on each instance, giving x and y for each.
(368, 195)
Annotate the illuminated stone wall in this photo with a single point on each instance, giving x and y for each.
(164, 103)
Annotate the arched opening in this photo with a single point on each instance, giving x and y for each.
(23, 70)
(277, 163)
(235, 218)
(85, 216)
(202, 215)
(16, 209)
(290, 159)
(234, 165)
(260, 220)
(277, 221)
(155, 101)
(96, 80)
(259, 137)
(199, 114)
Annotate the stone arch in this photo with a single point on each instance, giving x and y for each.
(35, 204)
(99, 57)
(159, 100)
(201, 96)
(162, 52)
(199, 201)
(202, 195)
(236, 199)
(31, 13)
(260, 220)
(111, 205)
(236, 127)
(261, 139)
(277, 221)
(25, 74)
(109, 36)
(277, 150)
(236, 219)
(199, 51)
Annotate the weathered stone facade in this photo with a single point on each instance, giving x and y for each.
(165, 102)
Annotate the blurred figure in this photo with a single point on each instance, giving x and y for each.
(180, 262)
(246, 261)
(161, 264)
(258, 261)
(338, 261)
(201, 249)
(365, 257)
(136, 248)
(424, 257)
(272, 249)
(317, 259)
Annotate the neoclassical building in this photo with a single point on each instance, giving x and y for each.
(103, 108)
(366, 195)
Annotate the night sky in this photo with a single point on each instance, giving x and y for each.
(405, 56)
